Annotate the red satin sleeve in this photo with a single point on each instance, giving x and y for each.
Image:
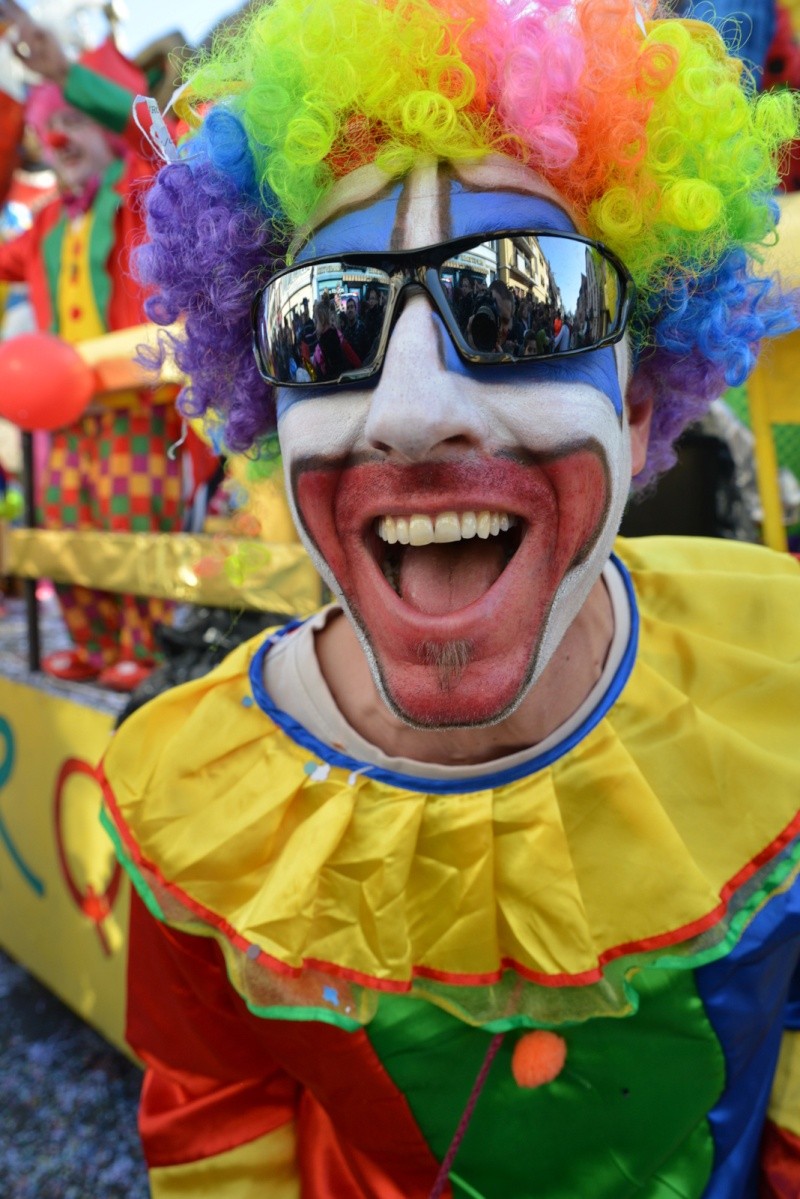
(210, 1083)
(17, 255)
(780, 1163)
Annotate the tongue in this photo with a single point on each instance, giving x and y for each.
(438, 579)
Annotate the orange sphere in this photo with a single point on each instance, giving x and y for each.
(44, 382)
(538, 1058)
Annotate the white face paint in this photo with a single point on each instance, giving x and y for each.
(78, 151)
(457, 631)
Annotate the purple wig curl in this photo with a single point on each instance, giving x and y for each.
(208, 248)
(704, 336)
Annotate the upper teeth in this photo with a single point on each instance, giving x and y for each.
(447, 526)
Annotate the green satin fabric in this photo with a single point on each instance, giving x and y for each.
(52, 246)
(104, 210)
(626, 1116)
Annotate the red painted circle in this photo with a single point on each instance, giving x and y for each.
(96, 907)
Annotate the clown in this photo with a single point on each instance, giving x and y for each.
(111, 469)
(483, 881)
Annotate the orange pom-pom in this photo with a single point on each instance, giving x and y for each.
(538, 1058)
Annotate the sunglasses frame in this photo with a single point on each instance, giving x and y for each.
(425, 264)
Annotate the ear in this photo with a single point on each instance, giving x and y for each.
(640, 414)
(639, 404)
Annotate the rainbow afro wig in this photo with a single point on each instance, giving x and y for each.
(651, 131)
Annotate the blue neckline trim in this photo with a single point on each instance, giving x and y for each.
(410, 782)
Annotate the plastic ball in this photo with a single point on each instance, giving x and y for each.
(538, 1058)
(44, 382)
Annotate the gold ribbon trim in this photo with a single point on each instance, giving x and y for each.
(186, 567)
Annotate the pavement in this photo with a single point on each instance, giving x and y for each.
(68, 1102)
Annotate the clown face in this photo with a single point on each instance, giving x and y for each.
(77, 148)
(462, 514)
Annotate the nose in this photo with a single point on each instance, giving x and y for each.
(421, 403)
(56, 139)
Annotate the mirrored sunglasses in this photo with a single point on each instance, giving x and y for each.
(510, 298)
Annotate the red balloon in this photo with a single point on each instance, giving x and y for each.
(44, 382)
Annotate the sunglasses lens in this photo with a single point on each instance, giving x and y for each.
(321, 323)
(532, 295)
(522, 295)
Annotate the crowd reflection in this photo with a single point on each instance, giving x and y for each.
(571, 303)
(340, 334)
(513, 321)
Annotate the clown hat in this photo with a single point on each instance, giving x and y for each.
(106, 60)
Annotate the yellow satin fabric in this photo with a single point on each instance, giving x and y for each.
(631, 835)
(784, 1104)
(78, 315)
(264, 1167)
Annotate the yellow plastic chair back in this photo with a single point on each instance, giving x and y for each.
(774, 395)
(774, 386)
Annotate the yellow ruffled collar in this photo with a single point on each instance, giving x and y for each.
(535, 897)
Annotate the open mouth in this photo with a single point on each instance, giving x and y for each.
(441, 563)
(69, 161)
(449, 569)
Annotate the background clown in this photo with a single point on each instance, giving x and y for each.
(110, 469)
(483, 882)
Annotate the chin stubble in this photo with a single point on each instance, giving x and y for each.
(450, 660)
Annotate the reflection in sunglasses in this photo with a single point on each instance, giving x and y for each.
(519, 295)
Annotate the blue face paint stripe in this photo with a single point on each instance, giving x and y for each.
(286, 398)
(373, 226)
(596, 368)
(484, 212)
(362, 229)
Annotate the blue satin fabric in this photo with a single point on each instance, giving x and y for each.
(747, 999)
(792, 1020)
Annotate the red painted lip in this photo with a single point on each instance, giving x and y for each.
(560, 503)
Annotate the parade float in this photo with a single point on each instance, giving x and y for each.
(63, 901)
